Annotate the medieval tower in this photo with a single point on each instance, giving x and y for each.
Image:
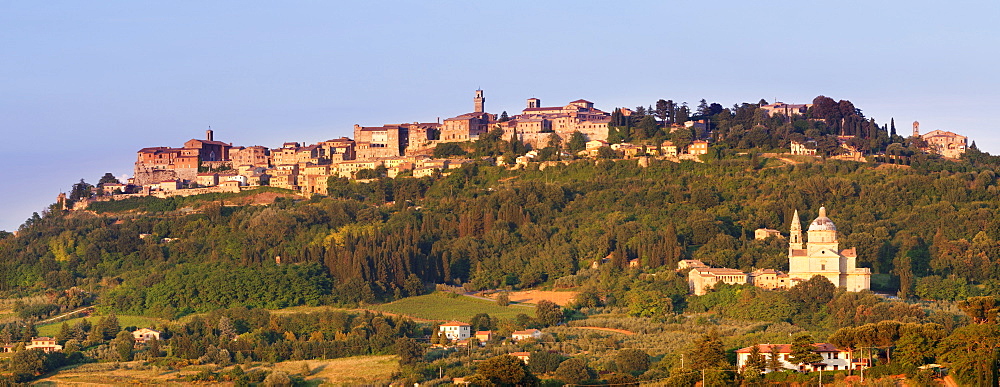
(480, 101)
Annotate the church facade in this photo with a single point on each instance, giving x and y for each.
(821, 255)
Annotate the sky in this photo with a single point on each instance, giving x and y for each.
(84, 85)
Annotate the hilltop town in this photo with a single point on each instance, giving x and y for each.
(545, 252)
(578, 129)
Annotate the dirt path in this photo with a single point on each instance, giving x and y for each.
(622, 331)
(65, 314)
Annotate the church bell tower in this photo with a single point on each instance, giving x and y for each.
(795, 234)
(480, 101)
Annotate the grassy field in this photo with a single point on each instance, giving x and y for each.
(349, 371)
(125, 321)
(359, 370)
(438, 306)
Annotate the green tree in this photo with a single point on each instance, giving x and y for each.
(982, 310)
(803, 351)
(918, 343)
(448, 149)
(506, 370)
(122, 345)
(577, 142)
(503, 299)
(548, 313)
(409, 351)
(632, 360)
(573, 371)
(662, 110)
(973, 352)
(543, 362)
(812, 294)
(481, 322)
(28, 363)
(707, 352)
(774, 362)
(108, 178)
(755, 362)
(80, 190)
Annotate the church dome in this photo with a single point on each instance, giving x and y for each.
(822, 223)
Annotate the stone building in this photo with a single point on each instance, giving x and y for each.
(257, 156)
(338, 149)
(803, 149)
(703, 279)
(468, 126)
(159, 163)
(381, 141)
(821, 255)
(579, 115)
(944, 143)
(788, 110)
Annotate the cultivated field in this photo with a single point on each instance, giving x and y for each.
(52, 329)
(533, 296)
(349, 371)
(439, 306)
(359, 370)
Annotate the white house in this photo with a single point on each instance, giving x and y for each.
(833, 358)
(526, 334)
(44, 343)
(456, 330)
(145, 334)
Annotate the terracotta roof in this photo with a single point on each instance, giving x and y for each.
(718, 270)
(211, 142)
(799, 252)
(543, 108)
(525, 332)
(456, 324)
(581, 100)
(517, 354)
(467, 116)
(484, 333)
(159, 149)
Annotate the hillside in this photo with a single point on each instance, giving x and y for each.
(930, 228)
(491, 227)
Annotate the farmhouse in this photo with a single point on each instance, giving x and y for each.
(833, 358)
(456, 330)
(526, 334)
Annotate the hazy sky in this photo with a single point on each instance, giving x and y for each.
(84, 85)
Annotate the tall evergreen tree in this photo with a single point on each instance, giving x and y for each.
(803, 351)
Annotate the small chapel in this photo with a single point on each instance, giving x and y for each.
(821, 255)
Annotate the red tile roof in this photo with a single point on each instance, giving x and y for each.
(787, 348)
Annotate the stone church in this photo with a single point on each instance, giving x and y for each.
(821, 255)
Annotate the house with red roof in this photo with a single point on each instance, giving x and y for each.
(834, 358)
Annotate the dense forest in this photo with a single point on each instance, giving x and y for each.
(926, 230)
